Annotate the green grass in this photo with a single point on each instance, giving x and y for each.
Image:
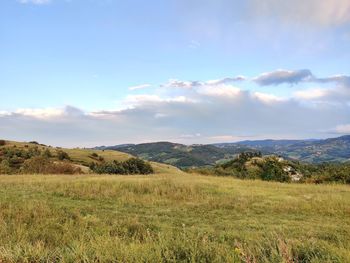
(170, 217)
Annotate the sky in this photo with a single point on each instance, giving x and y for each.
(105, 72)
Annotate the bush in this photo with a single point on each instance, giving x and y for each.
(131, 166)
(272, 170)
(43, 165)
(109, 168)
(2, 142)
(5, 167)
(47, 153)
(251, 165)
(61, 155)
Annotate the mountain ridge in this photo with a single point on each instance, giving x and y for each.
(309, 150)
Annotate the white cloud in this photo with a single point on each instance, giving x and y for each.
(311, 94)
(143, 86)
(215, 110)
(268, 98)
(224, 91)
(343, 129)
(174, 83)
(227, 80)
(40, 113)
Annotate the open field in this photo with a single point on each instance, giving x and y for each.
(172, 217)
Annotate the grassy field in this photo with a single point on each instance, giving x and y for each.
(170, 217)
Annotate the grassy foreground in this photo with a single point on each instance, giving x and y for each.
(170, 218)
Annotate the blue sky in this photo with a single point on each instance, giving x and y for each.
(64, 61)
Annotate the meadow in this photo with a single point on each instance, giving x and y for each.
(170, 216)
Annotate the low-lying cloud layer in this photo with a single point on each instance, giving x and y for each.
(198, 112)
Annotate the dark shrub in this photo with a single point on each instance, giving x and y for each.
(2, 142)
(137, 166)
(272, 170)
(131, 166)
(61, 155)
(109, 168)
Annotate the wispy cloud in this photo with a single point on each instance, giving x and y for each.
(143, 86)
(194, 44)
(35, 2)
(175, 83)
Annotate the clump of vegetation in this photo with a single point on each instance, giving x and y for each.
(2, 142)
(327, 172)
(28, 160)
(97, 157)
(47, 153)
(131, 166)
(94, 155)
(42, 165)
(252, 165)
(61, 155)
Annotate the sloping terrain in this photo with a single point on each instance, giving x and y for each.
(180, 155)
(312, 151)
(170, 218)
(329, 150)
(78, 157)
(184, 156)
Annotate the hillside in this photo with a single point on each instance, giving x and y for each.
(170, 217)
(329, 150)
(184, 156)
(78, 157)
(178, 154)
(312, 151)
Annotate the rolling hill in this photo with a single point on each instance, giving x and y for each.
(312, 151)
(78, 157)
(184, 156)
(180, 155)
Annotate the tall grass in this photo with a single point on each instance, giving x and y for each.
(170, 218)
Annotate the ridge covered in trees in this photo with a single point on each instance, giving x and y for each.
(253, 165)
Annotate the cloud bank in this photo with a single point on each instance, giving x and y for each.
(199, 112)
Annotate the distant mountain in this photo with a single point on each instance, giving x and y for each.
(183, 156)
(269, 143)
(313, 151)
(328, 150)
